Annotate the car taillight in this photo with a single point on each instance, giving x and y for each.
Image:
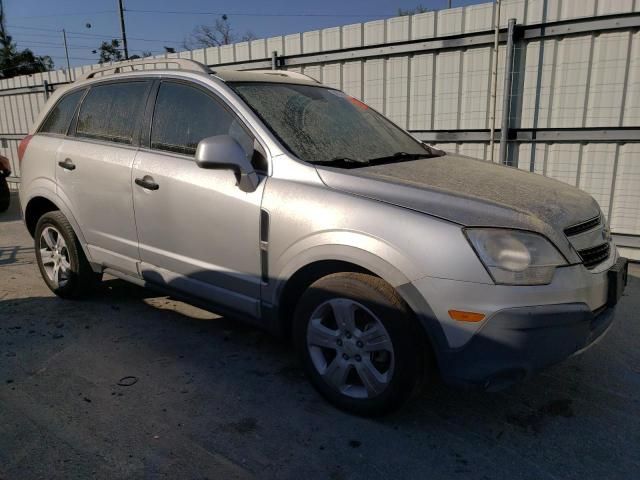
(23, 146)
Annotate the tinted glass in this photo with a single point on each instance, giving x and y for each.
(185, 115)
(60, 117)
(319, 124)
(112, 112)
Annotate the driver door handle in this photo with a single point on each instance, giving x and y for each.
(147, 182)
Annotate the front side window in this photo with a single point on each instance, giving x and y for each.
(60, 116)
(112, 112)
(184, 115)
(322, 125)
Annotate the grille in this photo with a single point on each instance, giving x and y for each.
(594, 255)
(582, 227)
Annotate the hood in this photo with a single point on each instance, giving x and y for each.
(472, 193)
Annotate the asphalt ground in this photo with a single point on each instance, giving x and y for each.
(128, 384)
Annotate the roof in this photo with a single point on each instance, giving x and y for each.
(185, 65)
(271, 76)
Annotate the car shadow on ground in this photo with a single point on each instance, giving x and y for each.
(162, 326)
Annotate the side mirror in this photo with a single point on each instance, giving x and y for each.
(224, 152)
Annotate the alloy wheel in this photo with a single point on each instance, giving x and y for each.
(350, 348)
(54, 256)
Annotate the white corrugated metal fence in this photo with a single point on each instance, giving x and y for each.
(575, 100)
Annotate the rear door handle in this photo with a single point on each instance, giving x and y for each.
(67, 164)
(147, 182)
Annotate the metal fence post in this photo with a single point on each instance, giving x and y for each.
(274, 60)
(494, 78)
(506, 94)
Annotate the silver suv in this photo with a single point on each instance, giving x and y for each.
(272, 198)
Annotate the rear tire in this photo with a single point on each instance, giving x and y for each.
(61, 260)
(359, 343)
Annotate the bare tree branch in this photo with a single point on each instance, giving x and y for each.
(216, 35)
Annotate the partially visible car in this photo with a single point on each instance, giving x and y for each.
(5, 194)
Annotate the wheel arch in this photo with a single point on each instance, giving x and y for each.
(36, 207)
(295, 286)
(39, 204)
(291, 287)
(299, 275)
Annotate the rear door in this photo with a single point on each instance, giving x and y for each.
(198, 231)
(93, 170)
(43, 148)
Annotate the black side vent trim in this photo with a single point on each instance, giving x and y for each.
(264, 244)
(264, 264)
(264, 225)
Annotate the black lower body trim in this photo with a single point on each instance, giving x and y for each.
(518, 342)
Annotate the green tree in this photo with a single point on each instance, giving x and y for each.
(14, 62)
(109, 51)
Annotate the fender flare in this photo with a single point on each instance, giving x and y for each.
(356, 248)
(46, 193)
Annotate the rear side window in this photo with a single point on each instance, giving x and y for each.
(60, 116)
(185, 115)
(112, 112)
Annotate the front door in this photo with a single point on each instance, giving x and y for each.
(198, 232)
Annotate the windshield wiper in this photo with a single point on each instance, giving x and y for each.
(400, 156)
(347, 160)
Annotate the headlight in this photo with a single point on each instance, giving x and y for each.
(515, 257)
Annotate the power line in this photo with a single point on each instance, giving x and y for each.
(90, 35)
(51, 45)
(30, 43)
(246, 14)
(28, 34)
(56, 30)
(69, 14)
(187, 12)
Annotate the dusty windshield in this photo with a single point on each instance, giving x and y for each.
(321, 125)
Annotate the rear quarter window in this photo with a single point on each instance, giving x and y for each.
(61, 114)
(112, 112)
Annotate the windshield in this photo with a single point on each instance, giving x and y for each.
(321, 125)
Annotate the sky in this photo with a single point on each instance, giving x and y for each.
(153, 24)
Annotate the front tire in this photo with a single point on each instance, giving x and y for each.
(359, 343)
(60, 257)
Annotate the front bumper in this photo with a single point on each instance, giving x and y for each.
(517, 342)
(527, 329)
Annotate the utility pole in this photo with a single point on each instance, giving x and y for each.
(124, 33)
(66, 52)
